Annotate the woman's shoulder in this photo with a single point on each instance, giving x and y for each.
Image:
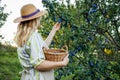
(34, 35)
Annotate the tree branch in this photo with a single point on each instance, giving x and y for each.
(109, 36)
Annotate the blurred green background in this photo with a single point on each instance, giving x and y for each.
(90, 29)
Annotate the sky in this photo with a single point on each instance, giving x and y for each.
(9, 28)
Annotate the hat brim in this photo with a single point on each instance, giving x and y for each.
(39, 14)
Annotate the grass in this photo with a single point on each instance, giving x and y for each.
(9, 64)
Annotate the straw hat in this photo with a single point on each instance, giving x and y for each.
(29, 12)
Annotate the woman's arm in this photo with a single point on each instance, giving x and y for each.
(48, 65)
(52, 33)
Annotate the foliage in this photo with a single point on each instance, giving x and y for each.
(3, 16)
(90, 29)
(9, 64)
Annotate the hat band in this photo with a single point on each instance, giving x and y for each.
(32, 14)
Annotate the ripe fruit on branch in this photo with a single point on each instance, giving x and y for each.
(59, 20)
(94, 6)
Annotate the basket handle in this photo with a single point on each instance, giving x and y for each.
(45, 50)
(65, 47)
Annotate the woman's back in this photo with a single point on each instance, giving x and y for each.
(31, 55)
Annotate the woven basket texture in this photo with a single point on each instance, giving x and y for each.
(55, 54)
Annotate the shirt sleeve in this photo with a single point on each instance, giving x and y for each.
(36, 54)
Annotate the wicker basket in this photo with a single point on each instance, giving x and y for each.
(55, 54)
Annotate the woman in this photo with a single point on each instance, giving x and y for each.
(30, 46)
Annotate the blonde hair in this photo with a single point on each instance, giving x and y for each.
(24, 31)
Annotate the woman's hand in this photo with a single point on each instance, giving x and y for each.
(65, 60)
(56, 27)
